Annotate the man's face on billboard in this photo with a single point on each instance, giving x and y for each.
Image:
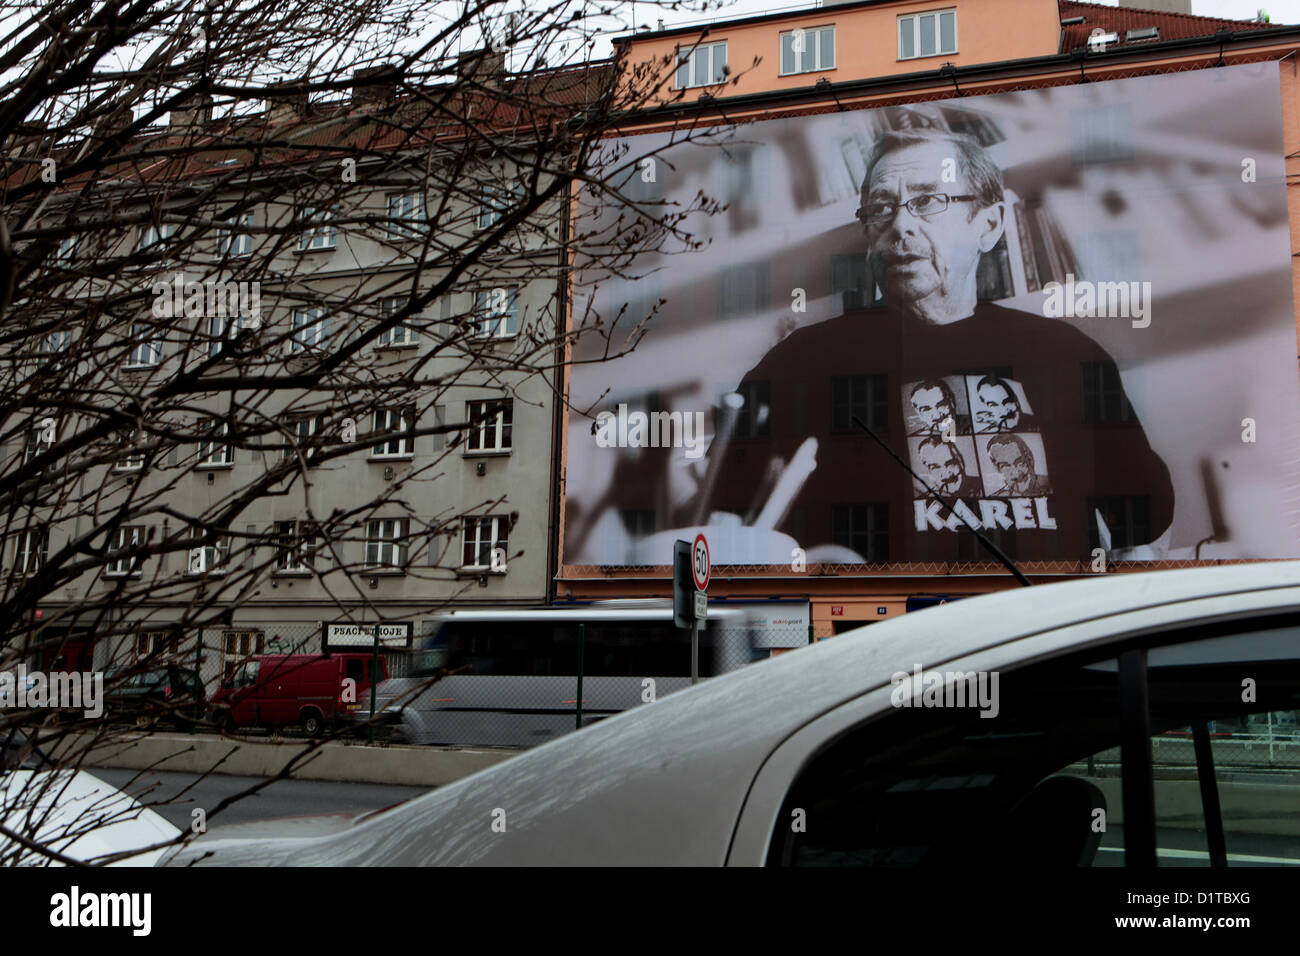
(1015, 466)
(942, 468)
(925, 257)
(1001, 407)
(932, 407)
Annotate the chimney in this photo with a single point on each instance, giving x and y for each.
(281, 108)
(194, 117)
(375, 84)
(486, 66)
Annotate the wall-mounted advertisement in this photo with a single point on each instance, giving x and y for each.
(1067, 313)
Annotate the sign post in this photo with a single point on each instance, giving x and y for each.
(690, 600)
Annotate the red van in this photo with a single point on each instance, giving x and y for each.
(274, 690)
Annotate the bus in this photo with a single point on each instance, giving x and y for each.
(515, 680)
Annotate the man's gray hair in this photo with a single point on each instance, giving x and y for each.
(983, 175)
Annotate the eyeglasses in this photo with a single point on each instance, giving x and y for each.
(925, 206)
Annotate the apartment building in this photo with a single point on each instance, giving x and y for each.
(266, 502)
(1115, 149)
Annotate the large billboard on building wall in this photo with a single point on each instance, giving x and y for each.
(1065, 314)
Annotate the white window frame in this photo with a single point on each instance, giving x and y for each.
(398, 442)
(146, 346)
(311, 330)
(213, 453)
(232, 238)
(31, 550)
(129, 462)
(68, 250)
(318, 230)
(407, 215)
(214, 556)
(126, 536)
(387, 543)
(912, 21)
(473, 526)
(688, 57)
(304, 437)
(489, 433)
(495, 201)
(811, 51)
(399, 336)
(55, 342)
(36, 443)
(295, 547)
(155, 235)
(490, 324)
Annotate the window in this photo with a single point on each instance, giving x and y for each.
(40, 439)
(863, 529)
(154, 238)
(497, 312)
(55, 342)
(386, 542)
(744, 290)
(490, 425)
(126, 538)
(754, 411)
(318, 229)
(395, 423)
(942, 787)
(1127, 518)
(806, 51)
(310, 329)
(131, 461)
(406, 215)
(701, 66)
(295, 545)
(302, 430)
(146, 346)
(68, 250)
(156, 644)
(927, 34)
(852, 281)
(864, 396)
(481, 536)
(237, 647)
(31, 550)
(233, 237)
(400, 335)
(208, 558)
(213, 452)
(1103, 395)
(495, 202)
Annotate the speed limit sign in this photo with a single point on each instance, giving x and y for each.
(700, 563)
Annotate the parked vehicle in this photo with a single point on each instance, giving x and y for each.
(169, 693)
(830, 754)
(307, 690)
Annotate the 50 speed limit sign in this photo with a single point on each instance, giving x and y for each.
(700, 563)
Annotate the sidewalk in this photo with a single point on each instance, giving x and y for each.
(265, 757)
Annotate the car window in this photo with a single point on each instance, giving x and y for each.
(247, 674)
(1040, 783)
(940, 785)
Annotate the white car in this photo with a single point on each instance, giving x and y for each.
(79, 817)
(857, 750)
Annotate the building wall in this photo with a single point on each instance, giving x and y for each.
(866, 42)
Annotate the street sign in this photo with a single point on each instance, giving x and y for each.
(701, 605)
(683, 586)
(700, 563)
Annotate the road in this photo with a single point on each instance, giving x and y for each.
(167, 794)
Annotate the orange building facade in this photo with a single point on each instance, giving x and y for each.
(899, 54)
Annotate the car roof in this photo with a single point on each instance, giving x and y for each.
(691, 757)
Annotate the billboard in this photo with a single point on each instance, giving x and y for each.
(1063, 316)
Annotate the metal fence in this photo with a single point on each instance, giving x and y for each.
(517, 690)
